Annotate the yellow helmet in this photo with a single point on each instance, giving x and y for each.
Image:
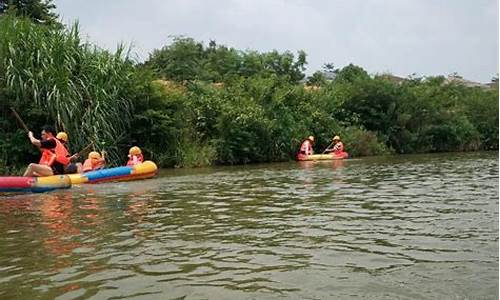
(311, 138)
(134, 151)
(62, 136)
(94, 155)
(336, 138)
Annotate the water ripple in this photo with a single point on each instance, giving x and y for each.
(408, 227)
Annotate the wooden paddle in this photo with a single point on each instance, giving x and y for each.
(327, 147)
(19, 119)
(79, 153)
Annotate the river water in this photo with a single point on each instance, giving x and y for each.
(398, 227)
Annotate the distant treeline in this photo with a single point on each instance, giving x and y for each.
(192, 104)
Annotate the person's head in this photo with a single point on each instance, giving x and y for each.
(62, 136)
(336, 138)
(134, 151)
(311, 138)
(47, 132)
(94, 155)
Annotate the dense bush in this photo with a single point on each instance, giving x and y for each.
(194, 105)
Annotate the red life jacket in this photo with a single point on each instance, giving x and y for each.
(338, 151)
(338, 148)
(138, 159)
(59, 154)
(306, 147)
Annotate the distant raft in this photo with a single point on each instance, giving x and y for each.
(34, 184)
(332, 156)
(144, 170)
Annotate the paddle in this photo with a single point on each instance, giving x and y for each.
(327, 147)
(19, 119)
(27, 129)
(14, 112)
(79, 153)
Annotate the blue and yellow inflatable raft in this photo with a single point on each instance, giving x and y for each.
(21, 184)
(144, 170)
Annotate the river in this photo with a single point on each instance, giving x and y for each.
(404, 227)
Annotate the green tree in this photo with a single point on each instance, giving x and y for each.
(187, 60)
(39, 11)
(178, 61)
(351, 73)
(317, 78)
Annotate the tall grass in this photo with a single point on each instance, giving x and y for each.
(82, 88)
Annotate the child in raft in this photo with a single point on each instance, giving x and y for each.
(135, 156)
(94, 162)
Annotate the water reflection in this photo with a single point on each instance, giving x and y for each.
(57, 214)
(403, 227)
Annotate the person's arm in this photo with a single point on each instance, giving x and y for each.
(33, 140)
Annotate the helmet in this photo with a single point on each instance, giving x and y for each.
(62, 136)
(94, 155)
(134, 151)
(336, 138)
(311, 138)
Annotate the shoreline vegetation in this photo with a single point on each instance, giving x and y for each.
(194, 104)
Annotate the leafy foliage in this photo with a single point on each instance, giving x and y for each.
(194, 105)
(39, 11)
(187, 60)
(77, 87)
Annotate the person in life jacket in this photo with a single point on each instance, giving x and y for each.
(72, 166)
(55, 156)
(135, 156)
(306, 148)
(94, 162)
(337, 147)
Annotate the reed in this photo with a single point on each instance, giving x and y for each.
(81, 87)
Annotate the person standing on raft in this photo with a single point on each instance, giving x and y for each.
(55, 156)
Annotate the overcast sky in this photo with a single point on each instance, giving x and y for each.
(426, 37)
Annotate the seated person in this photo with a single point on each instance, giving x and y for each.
(337, 148)
(55, 156)
(306, 146)
(71, 167)
(135, 156)
(94, 162)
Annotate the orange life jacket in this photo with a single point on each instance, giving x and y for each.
(135, 159)
(92, 164)
(62, 153)
(48, 157)
(59, 154)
